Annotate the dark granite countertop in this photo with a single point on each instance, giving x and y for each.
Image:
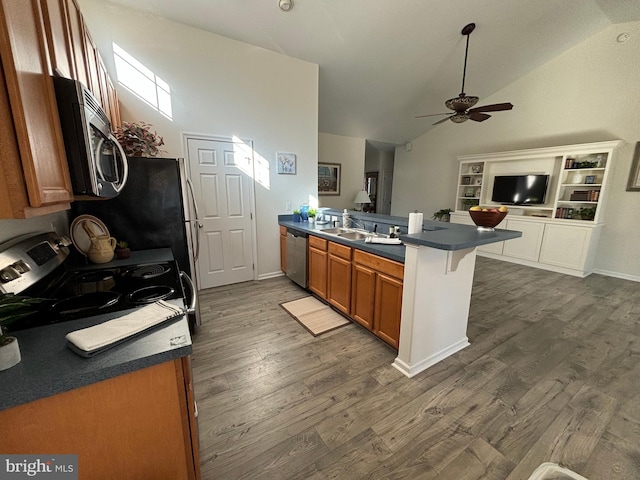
(440, 235)
(49, 367)
(458, 237)
(392, 252)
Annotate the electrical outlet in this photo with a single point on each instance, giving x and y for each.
(287, 206)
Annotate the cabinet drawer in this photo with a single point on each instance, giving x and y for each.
(340, 250)
(390, 267)
(319, 243)
(283, 230)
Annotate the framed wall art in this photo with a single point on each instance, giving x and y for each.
(329, 178)
(634, 176)
(286, 163)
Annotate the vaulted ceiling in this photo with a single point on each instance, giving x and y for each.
(384, 61)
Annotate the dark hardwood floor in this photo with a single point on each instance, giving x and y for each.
(552, 375)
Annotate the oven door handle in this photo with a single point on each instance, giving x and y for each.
(192, 288)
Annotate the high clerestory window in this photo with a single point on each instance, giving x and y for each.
(142, 82)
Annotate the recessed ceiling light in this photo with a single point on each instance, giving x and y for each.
(285, 5)
(623, 37)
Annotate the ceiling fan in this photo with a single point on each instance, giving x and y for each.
(462, 105)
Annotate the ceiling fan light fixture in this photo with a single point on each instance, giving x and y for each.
(459, 117)
(461, 103)
(285, 5)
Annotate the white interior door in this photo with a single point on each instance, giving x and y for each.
(221, 171)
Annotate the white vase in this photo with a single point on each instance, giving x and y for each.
(10, 354)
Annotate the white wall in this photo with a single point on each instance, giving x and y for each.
(589, 93)
(349, 153)
(53, 222)
(222, 87)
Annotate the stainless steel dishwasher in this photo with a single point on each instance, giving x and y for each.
(297, 257)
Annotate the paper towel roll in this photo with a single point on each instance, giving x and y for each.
(415, 223)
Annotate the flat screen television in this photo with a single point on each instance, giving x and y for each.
(520, 189)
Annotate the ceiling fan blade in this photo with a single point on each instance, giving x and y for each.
(496, 107)
(478, 117)
(443, 120)
(432, 115)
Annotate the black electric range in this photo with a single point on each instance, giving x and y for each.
(40, 266)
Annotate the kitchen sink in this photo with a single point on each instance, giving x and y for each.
(335, 231)
(354, 235)
(350, 233)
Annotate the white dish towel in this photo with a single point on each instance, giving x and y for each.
(112, 331)
(386, 241)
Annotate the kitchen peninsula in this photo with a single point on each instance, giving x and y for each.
(438, 273)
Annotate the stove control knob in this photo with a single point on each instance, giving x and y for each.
(21, 266)
(8, 273)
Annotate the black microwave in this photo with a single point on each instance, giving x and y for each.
(97, 163)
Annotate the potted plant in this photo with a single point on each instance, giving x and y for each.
(312, 215)
(122, 250)
(587, 213)
(467, 203)
(442, 215)
(12, 308)
(137, 139)
(296, 216)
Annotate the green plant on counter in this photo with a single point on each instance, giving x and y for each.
(12, 308)
(442, 215)
(296, 212)
(312, 213)
(122, 244)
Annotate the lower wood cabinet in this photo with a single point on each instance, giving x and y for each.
(339, 277)
(283, 249)
(137, 425)
(363, 285)
(366, 287)
(376, 300)
(317, 266)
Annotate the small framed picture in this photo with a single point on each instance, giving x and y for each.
(590, 179)
(470, 192)
(466, 180)
(286, 163)
(329, 178)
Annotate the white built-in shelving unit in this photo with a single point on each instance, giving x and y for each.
(560, 234)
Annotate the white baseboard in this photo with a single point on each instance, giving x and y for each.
(624, 276)
(422, 365)
(266, 276)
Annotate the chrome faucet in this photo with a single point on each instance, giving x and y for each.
(355, 223)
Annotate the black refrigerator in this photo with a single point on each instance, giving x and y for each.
(154, 209)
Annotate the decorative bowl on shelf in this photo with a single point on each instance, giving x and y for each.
(487, 219)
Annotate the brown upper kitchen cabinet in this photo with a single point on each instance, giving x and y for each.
(58, 38)
(34, 177)
(76, 32)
